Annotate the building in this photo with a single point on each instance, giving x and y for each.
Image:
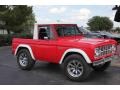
(3, 31)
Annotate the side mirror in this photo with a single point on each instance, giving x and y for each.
(46, 38)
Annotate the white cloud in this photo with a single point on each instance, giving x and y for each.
(56, 10)
(116, 24)
(80, 16)
(83, 14)
(74, 16)
(46, 21)
(112, 16)
(43, 20)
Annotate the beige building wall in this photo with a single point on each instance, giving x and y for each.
(3, 32)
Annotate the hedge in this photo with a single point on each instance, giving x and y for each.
(6, 40)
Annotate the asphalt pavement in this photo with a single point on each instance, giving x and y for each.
(50, 74)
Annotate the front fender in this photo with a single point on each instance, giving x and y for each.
(87, 59)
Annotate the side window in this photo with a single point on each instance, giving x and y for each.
(60, 31)
(67, 30)
(45, 33)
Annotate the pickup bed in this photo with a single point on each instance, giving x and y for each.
(64, 44)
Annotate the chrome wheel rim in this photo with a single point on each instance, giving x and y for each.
(75, 68)
(23, 60)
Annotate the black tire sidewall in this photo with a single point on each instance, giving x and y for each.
(30, 62)
(86, 68)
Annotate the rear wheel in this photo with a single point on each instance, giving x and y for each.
(102, 67)
(76, 68)
(25, 60)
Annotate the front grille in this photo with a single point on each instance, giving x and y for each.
(104, 50)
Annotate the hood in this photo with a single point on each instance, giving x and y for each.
(92, 41)
(85, 41)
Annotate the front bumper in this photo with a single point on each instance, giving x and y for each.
(104, 60)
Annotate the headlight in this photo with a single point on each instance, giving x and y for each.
(97, 52)
(113, 48)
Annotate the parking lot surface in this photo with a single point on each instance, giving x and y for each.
(50, 74)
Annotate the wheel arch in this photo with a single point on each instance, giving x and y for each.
(24, 46)
(74, 51)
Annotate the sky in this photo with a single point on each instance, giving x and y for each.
(77, 14)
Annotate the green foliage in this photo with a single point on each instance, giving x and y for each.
(117, 29)
(7, 39)
(16, 17)
(98, 23)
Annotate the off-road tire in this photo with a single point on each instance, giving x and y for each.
(30, 61)
(78, 58)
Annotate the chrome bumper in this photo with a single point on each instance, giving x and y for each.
(104, 60)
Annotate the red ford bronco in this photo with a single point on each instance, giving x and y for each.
(64, 44)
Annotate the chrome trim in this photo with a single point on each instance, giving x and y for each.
(104, 50)
(103, 60)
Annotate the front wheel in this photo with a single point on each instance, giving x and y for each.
(25, 60)
(102, 67)
(76, 68)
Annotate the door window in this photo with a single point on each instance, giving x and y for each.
(45, 33)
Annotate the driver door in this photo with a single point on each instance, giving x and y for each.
(46, 45)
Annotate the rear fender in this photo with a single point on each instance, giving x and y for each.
(25, 46)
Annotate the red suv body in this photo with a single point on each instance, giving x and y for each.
(62, 44)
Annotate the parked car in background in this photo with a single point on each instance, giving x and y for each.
(100, 34)
(109, 35)
(89, 34)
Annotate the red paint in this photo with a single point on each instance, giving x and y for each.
(52, 50)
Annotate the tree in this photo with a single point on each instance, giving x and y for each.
(15, 17)
(26, 26)
(98, 23)
(2, 12)
(117, 29)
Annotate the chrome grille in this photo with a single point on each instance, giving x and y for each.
(104, 50)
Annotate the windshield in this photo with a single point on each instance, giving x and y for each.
(84, 31)
(67, 30)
